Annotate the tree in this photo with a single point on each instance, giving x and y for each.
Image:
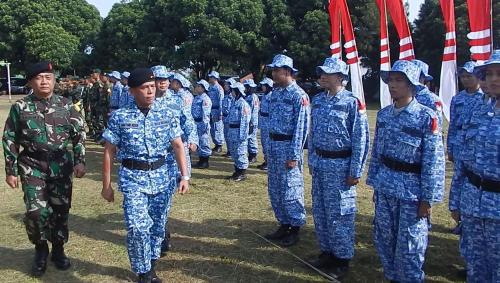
(75, 17)
(45, 41)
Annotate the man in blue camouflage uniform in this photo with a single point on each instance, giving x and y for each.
(425, 96)
(480, 197)
(227, 102)
(267, 88)
(253, 100)
(216, 94)
(201, 109)
(239, 124)
(288, 127)
(126, 98)
(180, 88)
(407, 174)
(143, 133)
(337, 145)
(116, 92)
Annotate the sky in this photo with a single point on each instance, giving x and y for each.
(105, 5)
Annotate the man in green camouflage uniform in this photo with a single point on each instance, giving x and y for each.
(38, 134)
(97, 120)
(104, 98)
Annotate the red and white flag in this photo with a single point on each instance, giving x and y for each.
(339, 13)
(448, 80)
(385, 59)
(480, 37)
(398, 15)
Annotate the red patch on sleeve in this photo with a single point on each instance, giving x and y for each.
(246, 111)
(205, 103)
(439, 106)
(305, 101)
(434, 126)
(361, 106)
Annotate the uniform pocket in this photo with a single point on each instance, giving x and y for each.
(348, 202)
(408, 147)
(417, 237)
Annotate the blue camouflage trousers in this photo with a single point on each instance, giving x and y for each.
(285, 185)
(217, 131)
(253, 146)
(480, 245)
(264, 140)
(400, 238)
(238, 149)
(334, 207)
(204, 149)
(188, 157)
(145, 222)
(226, 133)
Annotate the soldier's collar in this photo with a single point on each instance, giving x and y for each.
(408, 108)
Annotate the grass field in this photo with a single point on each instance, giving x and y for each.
(211, 235)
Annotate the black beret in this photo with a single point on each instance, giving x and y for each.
(139, 76)
(35, 69)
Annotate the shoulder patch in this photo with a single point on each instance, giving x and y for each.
(305, 101)
(434, 126)
(361, 106)
(245, 110)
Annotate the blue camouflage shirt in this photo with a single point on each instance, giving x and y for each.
(240, 115)
(411, 135)
(184, 100)
(254, 103)
(116, 94)
(264, 111)
(430, 99)
(143, 138)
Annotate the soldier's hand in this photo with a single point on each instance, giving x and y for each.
(79, 170)
(424, 209)
(290, 164)
(352, 181)
(11, 181)
(108, 194)
(455, 214)
(183, 187)
(193, 147)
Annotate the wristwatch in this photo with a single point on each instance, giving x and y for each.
(185, 178)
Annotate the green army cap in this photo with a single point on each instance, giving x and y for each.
(96, 70)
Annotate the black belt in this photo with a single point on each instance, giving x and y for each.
(225, 115)
(215, 107)
(198, 120)
(143, 165)
(280, 137)
(234, 126)
(334, 154)
(482, 184)
(114, 108)
(401, 165)
(45, 155)
(264, 114)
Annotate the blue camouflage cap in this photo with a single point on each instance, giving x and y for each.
(230, 81)
(125, 75)
(240, 87)
(267, 81)
(204, 84)
(480, 70)
(280, 61)
(333, 66)
(424, 68)
(181, 79)
(467, 67)
(249, 82)
(160, 72)
(214, 74)
(115, 75)
(411, 71)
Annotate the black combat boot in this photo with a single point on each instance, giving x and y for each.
(324, 260)
(292, 238)
(145, 277)
(263, 166)
(279, 234)
(40, 260)
(202, 163)
(252, 158)
(154, 277)
(217, 148)
(165, 244)
(241, 175)
(340, 267)
(60, 260)
(228, 154)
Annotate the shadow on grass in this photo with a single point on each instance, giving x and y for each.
(20, 260)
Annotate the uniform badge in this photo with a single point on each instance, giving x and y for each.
(361, 107)
(439, 106)
(434, 126)
(305, 101)
(246, 111)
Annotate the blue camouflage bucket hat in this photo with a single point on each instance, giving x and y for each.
(334, 66)
(181, 79)
(204, 84)
(249, 82)
(480, 70)
(115, 75)
(214, 74)
(125, 75)
(467, 67)
(410, 70)
(424, 68)
(240, 87)
(267, 81)
(280, 61)
(160, 72)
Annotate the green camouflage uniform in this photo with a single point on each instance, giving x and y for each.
(44, 129)
(97, 120)
(104, 99)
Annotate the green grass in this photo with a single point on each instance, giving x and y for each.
(210, 233)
